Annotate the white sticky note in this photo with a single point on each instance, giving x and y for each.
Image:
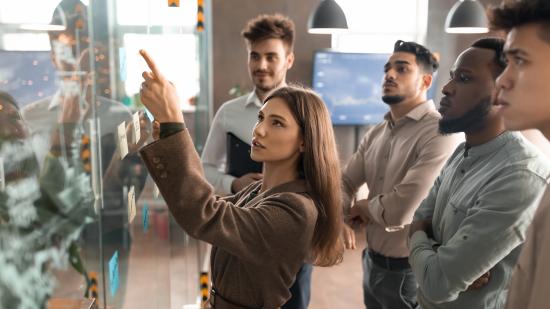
(131, 204)
(156, 191)
(137, 132)
(2, 177)
(122, 140)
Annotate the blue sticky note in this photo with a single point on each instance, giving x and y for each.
(145, 214)
(122, 64)
(149, 115)
(113, 273)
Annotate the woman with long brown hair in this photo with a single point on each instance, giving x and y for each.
(262, 235)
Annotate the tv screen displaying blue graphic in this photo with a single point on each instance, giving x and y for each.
(351, 86)
(27, 75)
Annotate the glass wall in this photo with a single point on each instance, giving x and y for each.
(79, 216)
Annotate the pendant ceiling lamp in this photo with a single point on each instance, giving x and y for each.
(328, 17)
(59, 23)
(466, 16)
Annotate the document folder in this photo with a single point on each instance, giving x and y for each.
(239, 162)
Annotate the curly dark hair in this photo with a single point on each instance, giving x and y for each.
(515, 13)
(274, 26)
(496, 45)
(424, 57)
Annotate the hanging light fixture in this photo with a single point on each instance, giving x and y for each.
(328, 17)
(58, 24)
(467, 16)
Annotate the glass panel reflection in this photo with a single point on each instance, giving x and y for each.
(66, 226)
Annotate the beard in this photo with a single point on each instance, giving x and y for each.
(265, 88)
(472, 121)
(392, 99)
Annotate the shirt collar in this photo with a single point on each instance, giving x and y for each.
(492, 145)
(416, 113)
(294, 186)
(56, 100)
(253, 99)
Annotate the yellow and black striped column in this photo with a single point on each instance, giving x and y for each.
(173, 3)
(92, 290)
(200, 15)
(204, 287)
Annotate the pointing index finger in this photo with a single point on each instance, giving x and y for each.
(151, 64)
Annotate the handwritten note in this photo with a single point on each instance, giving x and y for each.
(122, 140)
(137, 132)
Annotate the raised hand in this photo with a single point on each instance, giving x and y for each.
(158, 94)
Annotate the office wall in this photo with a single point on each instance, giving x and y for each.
(448, 45)
(229, 52)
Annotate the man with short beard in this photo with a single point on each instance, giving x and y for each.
(467, 233)
(398, 159)
(270, 42)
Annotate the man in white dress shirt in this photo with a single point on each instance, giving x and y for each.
(269, 41)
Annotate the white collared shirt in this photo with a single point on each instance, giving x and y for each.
(237, 116)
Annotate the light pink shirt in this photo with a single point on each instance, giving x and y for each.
(399, 163)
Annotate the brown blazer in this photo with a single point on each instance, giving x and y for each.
(259, 243)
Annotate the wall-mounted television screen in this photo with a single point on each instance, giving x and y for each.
(351, 86)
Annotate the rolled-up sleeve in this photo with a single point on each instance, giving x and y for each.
(500, 217)
(354, 174)
(396, 208)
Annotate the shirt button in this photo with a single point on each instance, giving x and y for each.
(160, 166)
(156, 160)
(163, 175)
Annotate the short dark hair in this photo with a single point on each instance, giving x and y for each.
(496, 45)
(515, 13)
(6, 97)
(424, 57)
(274, 26)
